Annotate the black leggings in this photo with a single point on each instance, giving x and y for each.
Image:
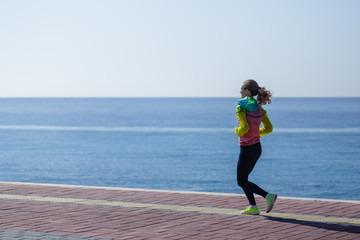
(247, 159)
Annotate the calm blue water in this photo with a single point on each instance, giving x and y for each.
(181, 144)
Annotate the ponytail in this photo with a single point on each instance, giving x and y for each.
(263, 96)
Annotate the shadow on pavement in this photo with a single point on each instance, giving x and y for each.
(328, 226)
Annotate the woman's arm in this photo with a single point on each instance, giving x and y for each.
(267, 126)
(243, 124)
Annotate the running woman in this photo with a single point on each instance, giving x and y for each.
(250, 114)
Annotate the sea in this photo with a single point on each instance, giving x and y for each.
(185, 144)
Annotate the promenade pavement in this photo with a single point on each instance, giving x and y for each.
(64, 212)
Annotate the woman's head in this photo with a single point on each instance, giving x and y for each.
(251, 88)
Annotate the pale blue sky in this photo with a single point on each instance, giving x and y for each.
(178, 48)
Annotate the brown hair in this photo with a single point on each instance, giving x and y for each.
(263, 95)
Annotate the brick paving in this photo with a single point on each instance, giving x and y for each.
(40, 211)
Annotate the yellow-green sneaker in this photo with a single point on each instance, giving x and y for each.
(251, 211)
(270, 200)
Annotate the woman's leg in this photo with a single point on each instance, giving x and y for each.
(247, 159)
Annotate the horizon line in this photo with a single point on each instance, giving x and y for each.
(87, 97)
